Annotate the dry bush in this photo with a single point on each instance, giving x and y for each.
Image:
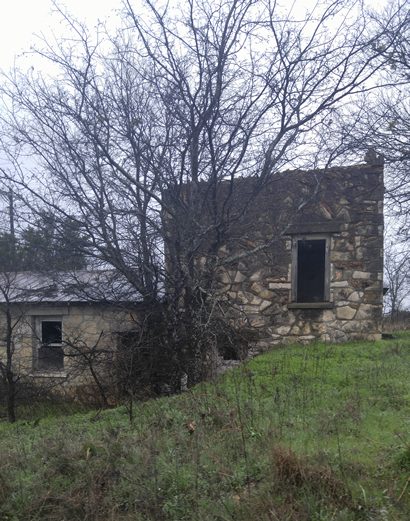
(298, 489)
(400, 322)
(296, 472)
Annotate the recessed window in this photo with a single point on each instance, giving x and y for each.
(310, 270)
(50, 355)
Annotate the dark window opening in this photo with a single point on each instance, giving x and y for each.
(51, 332)
(311, 266)
(50, 358)
(51, 354)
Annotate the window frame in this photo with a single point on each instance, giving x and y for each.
(39, 342)
(294, 268)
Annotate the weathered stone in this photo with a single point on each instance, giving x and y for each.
(257, 275)
(266, 294)
(360, 253)
(249, 309)
(291, 318)
(306, 329)
(374, 337)
(343, 214)
(257, 322)
(242, 267)
(338, 335)
(283, 330)
(351, 326)
(256, 301)
(339, 284)
(257, 287)
(341, 303)
(366, 311)
(224, 277)
(325, 211)
(239, 277)
(242, 297)
(307, 338)
(261, 291)
(340, 256)
(328, 315)
(276, 279)
(319, 328)
(279, 285)
(345, 313)
(361, 275)
(295, 330)
(265, 304)
(356, 296)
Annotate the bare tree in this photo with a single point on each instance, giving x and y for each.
(9, 323)
(380, 120)
(160, 121)
(397, 279)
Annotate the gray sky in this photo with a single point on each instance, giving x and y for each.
(21, 20)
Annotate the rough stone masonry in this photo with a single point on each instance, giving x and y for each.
(308, 255)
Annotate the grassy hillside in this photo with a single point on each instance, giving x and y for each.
(301, 433)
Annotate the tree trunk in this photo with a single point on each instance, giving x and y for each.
(10, 380)
(11, 397)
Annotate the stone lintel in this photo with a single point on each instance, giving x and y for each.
(315, 227)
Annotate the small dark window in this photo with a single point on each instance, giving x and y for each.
(50, 353)
(51, 332)
(311, 268)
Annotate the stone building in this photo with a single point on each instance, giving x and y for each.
(57, 319)
(309, 255)
(302, 260)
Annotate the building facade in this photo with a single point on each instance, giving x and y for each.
(308, 255)
(63, 329)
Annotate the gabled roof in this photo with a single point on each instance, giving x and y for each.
(83, 286)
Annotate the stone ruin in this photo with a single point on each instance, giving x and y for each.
(304, 259)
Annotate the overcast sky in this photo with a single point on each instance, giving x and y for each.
(21, 20)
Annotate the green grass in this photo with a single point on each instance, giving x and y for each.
(320, 432)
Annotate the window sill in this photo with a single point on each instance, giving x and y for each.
(48, 374)
(311, 305)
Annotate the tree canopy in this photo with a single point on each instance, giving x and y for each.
(127, 130)
(43, 246)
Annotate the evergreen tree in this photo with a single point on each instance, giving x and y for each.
(48, 245)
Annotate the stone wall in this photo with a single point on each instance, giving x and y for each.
(84, 326)
(343, 204)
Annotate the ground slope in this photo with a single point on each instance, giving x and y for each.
(301, 433)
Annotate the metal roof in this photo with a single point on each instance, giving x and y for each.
(81, 286)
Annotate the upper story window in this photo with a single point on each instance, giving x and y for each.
(310, 269)
(50, 355)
